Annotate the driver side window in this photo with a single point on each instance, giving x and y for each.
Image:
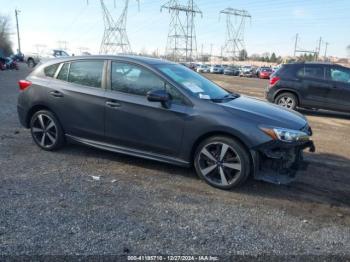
(133, 79)
(340, 75)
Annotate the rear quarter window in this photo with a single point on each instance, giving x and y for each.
(50, 71)
(288, 71)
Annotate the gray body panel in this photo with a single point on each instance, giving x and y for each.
(139, 126)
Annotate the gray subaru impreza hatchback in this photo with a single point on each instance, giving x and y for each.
(162, 111)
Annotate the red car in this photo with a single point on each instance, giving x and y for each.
(2, 64)
(265, 73)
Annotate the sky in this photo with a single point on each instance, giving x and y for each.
(273, 26)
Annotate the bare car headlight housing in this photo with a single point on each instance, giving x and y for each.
(285, 135)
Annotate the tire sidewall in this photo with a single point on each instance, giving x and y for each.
(60, 134)
(241, 151)
(291, 96)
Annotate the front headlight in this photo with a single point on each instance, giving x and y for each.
(285, 135)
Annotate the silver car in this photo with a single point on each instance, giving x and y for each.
(35, 58)
(203, 69)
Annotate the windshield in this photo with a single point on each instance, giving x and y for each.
(196, 84)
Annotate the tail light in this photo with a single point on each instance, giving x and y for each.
(24, 84)
(274, 80)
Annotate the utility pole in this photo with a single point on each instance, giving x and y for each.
(314, 52)
(325, 50)
(319, 49)
(181, 42)
(211, 53)
(235, 31)
(18, 38)
(296, 44)
(202, 57)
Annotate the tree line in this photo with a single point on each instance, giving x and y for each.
(265, 57)
(5, 42)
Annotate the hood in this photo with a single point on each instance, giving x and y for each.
(266, 113)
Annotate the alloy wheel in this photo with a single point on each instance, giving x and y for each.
(286, 101)
(219, 163)
(44, 131)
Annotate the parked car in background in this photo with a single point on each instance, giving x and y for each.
(231, 70)
(2, 63)
(162, 111)
(11, 63)
(35, 58)
(261, 68)
(203, 69)
(275, 68)
(264, 73)
(246, 71)
(19, 57)
(216, 69)
(311, 85)
(192, 66)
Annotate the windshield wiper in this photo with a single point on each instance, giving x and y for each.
(229, 96)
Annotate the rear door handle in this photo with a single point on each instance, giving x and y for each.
(113, 104)
(56, 94)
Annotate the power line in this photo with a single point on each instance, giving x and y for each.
(235, 27)
(181, 42)
(115, 39)
(316, 52)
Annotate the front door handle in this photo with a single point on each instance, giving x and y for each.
(56, 94)
(113, 104)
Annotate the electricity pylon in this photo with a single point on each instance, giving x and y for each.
(235, 28)
(182, 41)
(115, 39)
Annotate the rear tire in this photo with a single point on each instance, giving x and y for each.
(287, 100)
(47, 131)
(222, 162)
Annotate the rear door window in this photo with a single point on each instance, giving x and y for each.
(87, 73)
(313, 72)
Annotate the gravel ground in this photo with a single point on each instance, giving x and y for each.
(51, 204)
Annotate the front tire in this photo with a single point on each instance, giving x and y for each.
(287, 100)
(46, 131)
(222, 162)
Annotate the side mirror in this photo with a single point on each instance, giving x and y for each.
(159, 96)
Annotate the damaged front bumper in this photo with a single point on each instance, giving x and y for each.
(278, 162)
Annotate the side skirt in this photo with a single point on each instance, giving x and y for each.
(130, 151)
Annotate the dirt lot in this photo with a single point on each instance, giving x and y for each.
(51, 205)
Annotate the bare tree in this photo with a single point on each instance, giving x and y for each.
(5, 42)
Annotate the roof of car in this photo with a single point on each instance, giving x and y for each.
(312, 63)
(131, 58)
